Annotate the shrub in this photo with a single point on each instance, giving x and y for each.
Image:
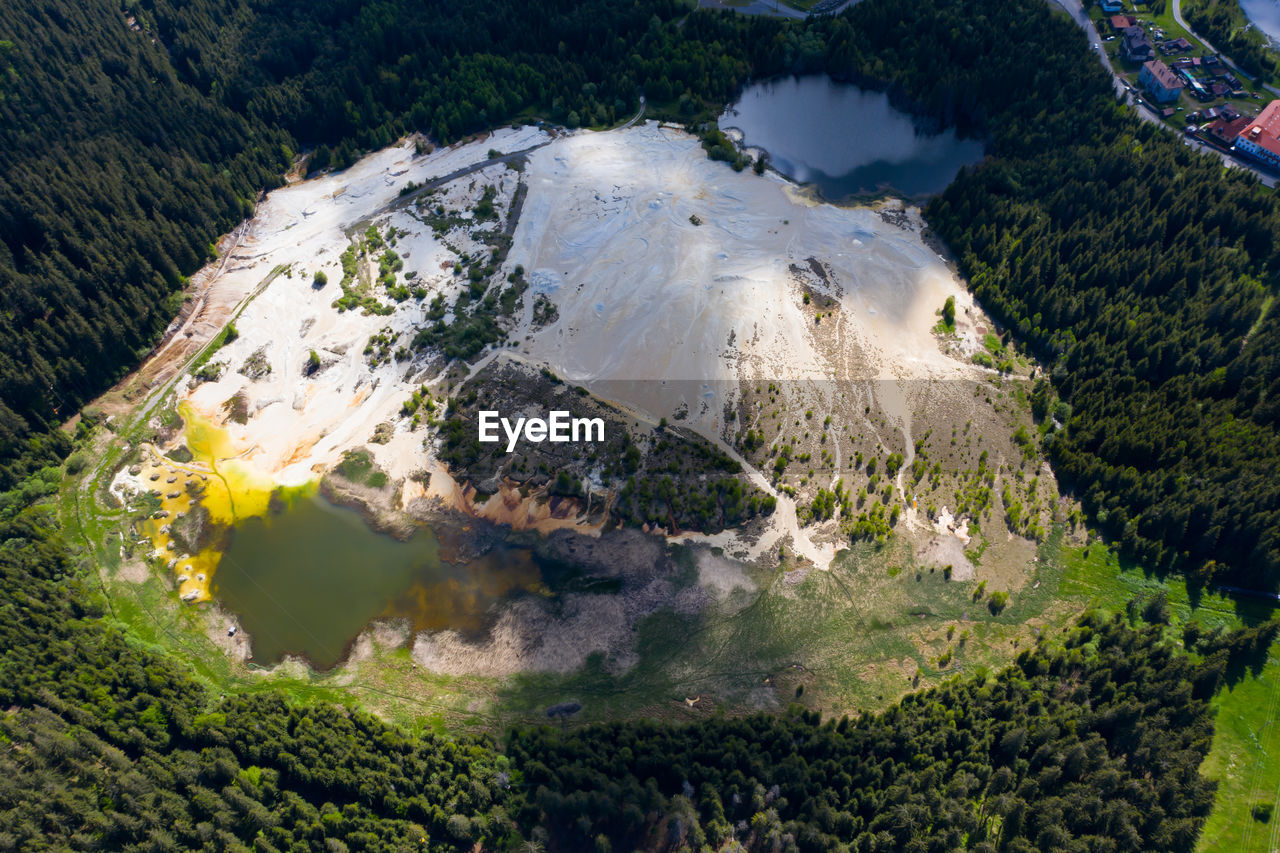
(76, 462)
(997, 602)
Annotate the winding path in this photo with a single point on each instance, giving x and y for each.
(435, 183)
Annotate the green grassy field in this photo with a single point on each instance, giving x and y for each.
(1246, 745)
(1245, 756)
(855, 637)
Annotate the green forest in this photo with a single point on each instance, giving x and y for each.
(1137, 271)
(1091, 741)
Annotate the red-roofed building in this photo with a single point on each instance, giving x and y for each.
(1261, 137)
(1224, 131)
(1123, 22)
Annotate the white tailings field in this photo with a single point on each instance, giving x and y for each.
(301, 421)
(644, 296)
(673, 278)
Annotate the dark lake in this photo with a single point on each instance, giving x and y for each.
(307, 580)
(845, 140)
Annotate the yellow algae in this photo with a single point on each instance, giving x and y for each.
(218, 478)
(208, 442)
(194, 573)
(174, 502)
(236, 490)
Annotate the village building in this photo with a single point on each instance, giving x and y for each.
(1159, 81)
(1223, 131)
(1260, 138)
(1178, 45)
(1197, 86)
(1135, 46)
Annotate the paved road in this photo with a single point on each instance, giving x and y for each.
(1145, 110)
(635, 118)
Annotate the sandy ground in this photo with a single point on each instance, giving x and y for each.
(301, 421)
(665, 316)
(677, 279)
(378, 636)
(947, 550)
(300, 223)
(722, 576)
(677, 283)
(646, 296)
(507, 506)
(536, 636)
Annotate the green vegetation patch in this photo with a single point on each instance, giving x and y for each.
(357, 466)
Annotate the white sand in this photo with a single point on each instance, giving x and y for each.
(655, 312)
(663, 315)
(644, 294)
(301, 423)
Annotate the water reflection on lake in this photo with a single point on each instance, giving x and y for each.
(845, 140)
(307, 580)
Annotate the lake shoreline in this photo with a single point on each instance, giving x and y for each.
(568, 561)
